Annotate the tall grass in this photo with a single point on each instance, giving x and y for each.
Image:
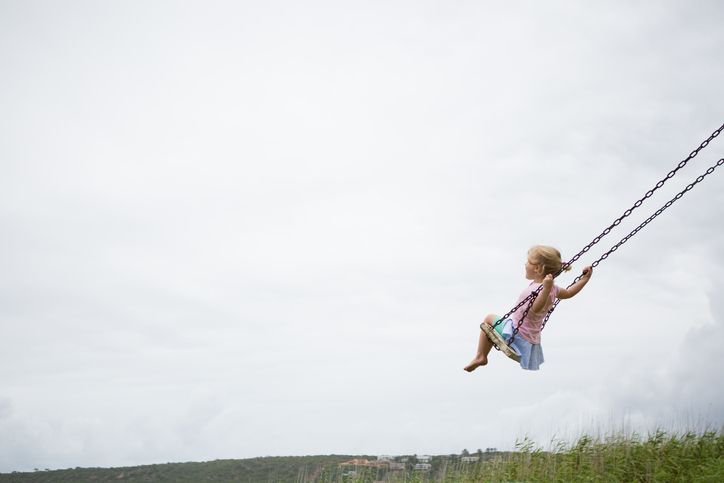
(658, 457)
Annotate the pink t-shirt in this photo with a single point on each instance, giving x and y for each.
(531, 328)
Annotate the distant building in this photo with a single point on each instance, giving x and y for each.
(385, 458)
(424, 459)
(366, 463)
(470, 459)
(397, 466)
(423, 467)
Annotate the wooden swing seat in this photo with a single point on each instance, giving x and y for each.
(499, 342)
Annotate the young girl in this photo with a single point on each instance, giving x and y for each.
(543, 262)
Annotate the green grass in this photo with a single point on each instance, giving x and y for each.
(658, 457)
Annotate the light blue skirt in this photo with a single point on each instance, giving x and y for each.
(531, 355)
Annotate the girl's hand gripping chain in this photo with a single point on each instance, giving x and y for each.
(548, 282)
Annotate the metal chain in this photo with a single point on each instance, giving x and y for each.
(638, 203)
(525, 314)
(605, 232)
(648, 220)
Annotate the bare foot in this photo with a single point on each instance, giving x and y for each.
(475, 363)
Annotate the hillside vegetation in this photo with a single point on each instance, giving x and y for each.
(660, 457)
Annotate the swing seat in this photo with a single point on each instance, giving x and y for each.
(499, 342)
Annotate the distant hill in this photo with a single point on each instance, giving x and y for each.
(255, 470)
(293, 469)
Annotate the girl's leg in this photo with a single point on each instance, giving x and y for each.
(484, 346)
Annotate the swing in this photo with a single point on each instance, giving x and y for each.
(505, 346)
(499, 343)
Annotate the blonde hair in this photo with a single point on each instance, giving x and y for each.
(549, 258)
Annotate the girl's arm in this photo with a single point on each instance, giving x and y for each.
(542, 297)
(566, 293)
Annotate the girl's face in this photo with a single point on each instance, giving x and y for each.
(532, 269)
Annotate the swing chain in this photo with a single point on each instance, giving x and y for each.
(525, 314)
(638, 203)
(648, 220)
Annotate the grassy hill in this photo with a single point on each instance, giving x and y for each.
(660, 457)
(269, 469)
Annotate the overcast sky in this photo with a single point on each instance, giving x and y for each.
(239, 229)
